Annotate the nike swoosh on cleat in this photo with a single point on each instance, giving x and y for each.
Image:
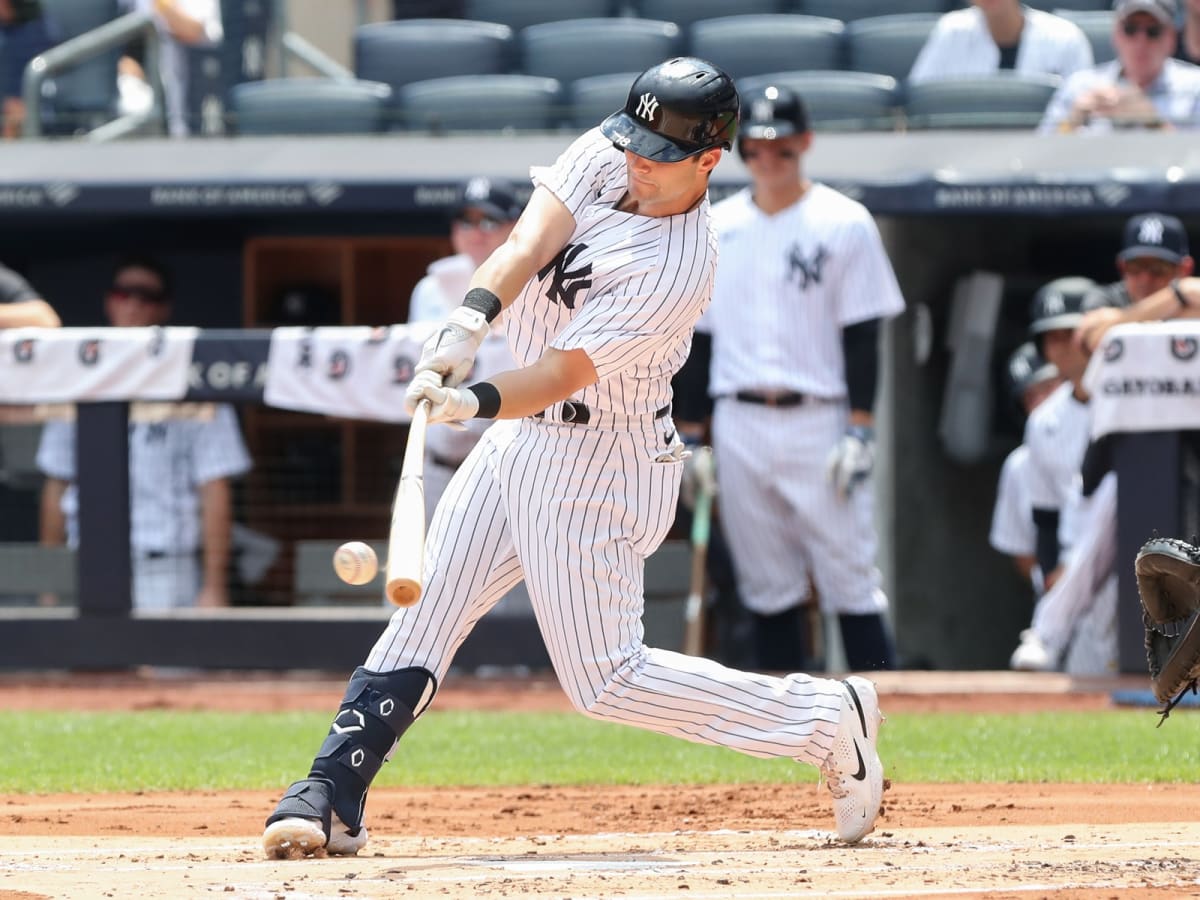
(862, 768)
(857, 707)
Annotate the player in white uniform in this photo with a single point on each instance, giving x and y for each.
(604, 277)
(1001, 35)
(481, 223)
(803, 284)
(1031, 380)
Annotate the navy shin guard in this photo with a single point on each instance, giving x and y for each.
(376, 710)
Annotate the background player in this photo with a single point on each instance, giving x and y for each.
(604, 277)
(482, 222)
(801, 288)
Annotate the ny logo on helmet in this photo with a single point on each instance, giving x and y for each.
(1151, 231)
(647, 106)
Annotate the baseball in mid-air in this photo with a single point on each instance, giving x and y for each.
(355, 562)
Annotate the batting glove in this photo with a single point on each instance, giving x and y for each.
(446, 404)
(852, 459)
(450, 351)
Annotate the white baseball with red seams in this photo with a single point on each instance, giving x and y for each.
(355, 562)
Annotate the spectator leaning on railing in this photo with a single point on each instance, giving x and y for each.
(1001, 35)
(1142, 88)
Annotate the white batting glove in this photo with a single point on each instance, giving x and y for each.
(446, 404)
(450, 351)
(699, 475)
(852, 459)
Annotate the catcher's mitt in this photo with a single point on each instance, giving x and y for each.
(1168, 579)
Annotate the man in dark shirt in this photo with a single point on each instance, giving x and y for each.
(24, 33)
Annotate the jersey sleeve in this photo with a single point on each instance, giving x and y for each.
(14, 288)
(426, 305)
(56, 450)
(1012, 530)
(582, 171)
(869, 288)
(219, 451)
(928, 63)
(1043, 486)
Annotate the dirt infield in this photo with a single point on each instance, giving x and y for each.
(1018, 841)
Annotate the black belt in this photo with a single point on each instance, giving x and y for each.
(444, 461)
(579, 414)
(773, 398)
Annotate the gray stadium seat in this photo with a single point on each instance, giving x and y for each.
(685, 12)
(754, 45)
(396, 53)
(309, 106)
(1098, 26)
(1004, 100)
(481, 103)
(851, 10)
(590, 100)
(888, 45)
(578, 49)
(84, 97)
(838, 101)
(518, 14)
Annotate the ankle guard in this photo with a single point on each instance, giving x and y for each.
(376, 711)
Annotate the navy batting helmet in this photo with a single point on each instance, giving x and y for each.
(1027, 368)
(676, 109)
(772, 112)
(1059, 304)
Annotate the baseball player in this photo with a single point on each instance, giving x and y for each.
(179, 473)
(20, 304)
(1031, 380)
(602, 280)
(483, 221)
(800, 292)
(1001, 35)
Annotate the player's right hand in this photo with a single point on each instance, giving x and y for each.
(450, 351)
(446, 404)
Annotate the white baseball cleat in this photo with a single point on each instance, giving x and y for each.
(1031, 654)
(295, 838)
(852, 769)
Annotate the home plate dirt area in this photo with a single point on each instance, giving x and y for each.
(539, 841)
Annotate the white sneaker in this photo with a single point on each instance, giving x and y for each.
(1031, 654)
(295, 838)
(852, 769)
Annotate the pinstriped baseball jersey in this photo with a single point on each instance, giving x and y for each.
(627, 289)
(786, 286)
(1012, 531)
(1056, 434)
(574, 509)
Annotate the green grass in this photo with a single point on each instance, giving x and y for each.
(47, 752)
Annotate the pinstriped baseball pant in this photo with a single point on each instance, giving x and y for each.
(575, 510)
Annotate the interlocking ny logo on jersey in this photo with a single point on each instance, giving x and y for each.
(806, 271)
(566, 282)
(647, 106)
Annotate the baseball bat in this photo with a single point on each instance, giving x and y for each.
(406, 539)
(693, 615)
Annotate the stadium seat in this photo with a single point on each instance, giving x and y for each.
(84, 97)
(1098, 26)
(851, 10)
(309, 106)
(888, 45)
(578, 49)
(754, 45)
(838, 101)
(686, 12)
(590, 100)
(523, 13)
(1005, 100)
(481, 103)
(396, 53)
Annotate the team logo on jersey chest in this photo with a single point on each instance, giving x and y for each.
(566, 282)
(806, 270)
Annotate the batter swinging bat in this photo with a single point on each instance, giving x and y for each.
(693, 616)
(406, 540)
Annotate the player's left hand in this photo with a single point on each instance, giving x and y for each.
(446, 404)
(852, 459)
